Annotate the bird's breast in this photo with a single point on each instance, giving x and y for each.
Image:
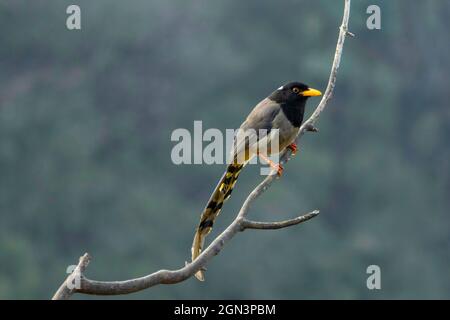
(287, 132)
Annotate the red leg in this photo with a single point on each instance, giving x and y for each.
(278, 167)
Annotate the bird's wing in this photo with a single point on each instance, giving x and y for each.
(249, 135)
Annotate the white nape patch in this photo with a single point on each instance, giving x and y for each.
(281, 88)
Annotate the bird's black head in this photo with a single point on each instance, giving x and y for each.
(294, 94)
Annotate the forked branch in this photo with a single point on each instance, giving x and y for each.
(77, 282)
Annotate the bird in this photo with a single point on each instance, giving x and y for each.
(284, 110)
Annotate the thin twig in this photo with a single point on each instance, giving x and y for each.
(249, 224)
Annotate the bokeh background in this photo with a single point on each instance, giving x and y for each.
(85, 124)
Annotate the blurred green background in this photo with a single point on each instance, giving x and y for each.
(85, 124)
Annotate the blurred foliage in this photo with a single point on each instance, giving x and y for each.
(85, 124)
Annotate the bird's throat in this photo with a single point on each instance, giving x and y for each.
(294, 113)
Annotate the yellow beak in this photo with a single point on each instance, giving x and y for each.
(311, 93)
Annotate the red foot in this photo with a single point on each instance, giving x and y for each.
(293, 148)
(278, 167)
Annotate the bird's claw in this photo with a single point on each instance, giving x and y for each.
(279, 168)
(293, 147)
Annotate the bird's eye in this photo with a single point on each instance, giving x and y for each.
(296, 90)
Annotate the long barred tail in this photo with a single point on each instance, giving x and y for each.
(221, 193)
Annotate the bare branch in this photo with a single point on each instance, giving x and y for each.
(94, 287)
(240, 223)
(334, 69)
(249, 224)
(69, 285)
